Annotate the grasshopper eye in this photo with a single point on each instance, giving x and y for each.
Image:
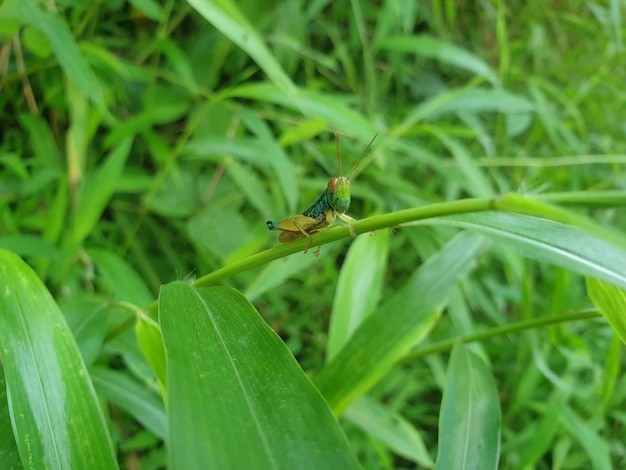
(332, 185)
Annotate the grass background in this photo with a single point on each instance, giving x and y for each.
(145, 142)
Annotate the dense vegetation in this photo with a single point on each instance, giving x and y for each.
(145, 144)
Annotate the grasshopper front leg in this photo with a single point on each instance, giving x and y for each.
(348, 221)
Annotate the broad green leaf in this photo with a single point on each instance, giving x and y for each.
(391, 428)
(358, 289)
(98, 190)
(139, 401)
(389, 333)
(469, 421)
(549, 242)
(236, 396)
(611, 301)
(65, 49)
(55, 413)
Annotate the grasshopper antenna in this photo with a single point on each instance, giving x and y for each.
(338, 153)
(367, 149)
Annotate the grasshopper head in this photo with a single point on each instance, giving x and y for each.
(339, 186)
(339, 190)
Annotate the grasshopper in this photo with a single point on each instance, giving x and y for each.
(332, 204)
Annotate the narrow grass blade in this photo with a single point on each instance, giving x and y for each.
(227, 18)
(9, 454)
(139, 401)
(331, 109)
(65, 49)
(552, 242)
(469, 421)
(55, 413)
(611, 301)
(389, 333)
(98, 190)
(121, 279)
(236, 396)
(391, 428)
(150, 341)
(443, 51)
(359, 288)
(588, 436)
(277, 273)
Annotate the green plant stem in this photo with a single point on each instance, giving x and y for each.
(512, 202)
(446, 345)
(614, 198)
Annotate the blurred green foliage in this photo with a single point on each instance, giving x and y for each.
(146, 142)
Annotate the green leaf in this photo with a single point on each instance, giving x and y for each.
(42, 139)
(276, 273)
(139, 401)
(225, 16)
(331, 109)
(150, 341)
(473, 177)
(469, 421)
(30, 245)
(120, 277)
(589, 437)
(550, 242)
(391, 428)
(9, 455)
(65, 49)
(478, 100)
(544, 431)
(90, 323)
(98, 189)
(236, 396)
(611, 301)
(280, 161)
(55, 412)
(150, 8)
(358, 289)
(430, 47)
(389, 333)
